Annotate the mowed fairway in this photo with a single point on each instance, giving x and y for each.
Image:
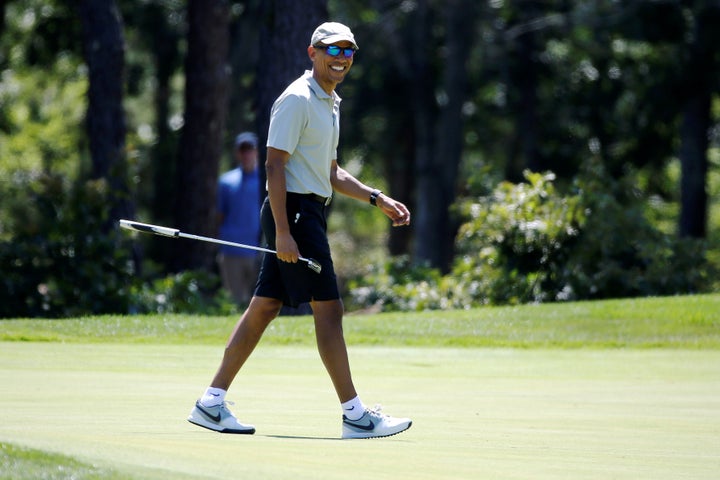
(478, 412)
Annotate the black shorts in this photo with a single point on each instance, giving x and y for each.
(295, 283)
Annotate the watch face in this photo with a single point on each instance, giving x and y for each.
(373, 196)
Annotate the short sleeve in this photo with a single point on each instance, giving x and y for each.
(288, 118)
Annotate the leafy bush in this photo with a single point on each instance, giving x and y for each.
(621, 254)
(517, 242)
(192, 292)
(529, 243)
(398, 286)
(61, 257)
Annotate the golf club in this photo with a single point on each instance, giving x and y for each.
(174, 232)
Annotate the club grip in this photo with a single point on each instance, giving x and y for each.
(148, 228)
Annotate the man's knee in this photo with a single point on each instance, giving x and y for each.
(265, 307)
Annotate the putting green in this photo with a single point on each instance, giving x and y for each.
(478, 413)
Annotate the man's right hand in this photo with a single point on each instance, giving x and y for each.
(287, 249)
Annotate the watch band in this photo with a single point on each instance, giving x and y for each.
(373, 197)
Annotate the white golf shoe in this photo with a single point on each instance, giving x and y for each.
(218, 418)
(374, 424)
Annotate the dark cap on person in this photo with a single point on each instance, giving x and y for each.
(246, 138)
(332, 32)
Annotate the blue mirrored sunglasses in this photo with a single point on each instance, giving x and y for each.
(334, 50)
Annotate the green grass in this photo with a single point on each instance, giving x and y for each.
(478, 413)
(668, 322)
(620, 389)
(26, 463)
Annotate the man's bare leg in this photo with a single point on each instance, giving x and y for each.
(244, 338)
(211, 411)
(331, 345)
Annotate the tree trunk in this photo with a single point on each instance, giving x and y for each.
(527, 111)
(285, 30)
(439, 143)
(164, 39)
(400, 174)
(201, 141)
(244, 33)
(694, 165)
(427, 170)
(460, 21)
(694, 130)
(3, 4)
(164, 46)
(104, 51)
(522, 78)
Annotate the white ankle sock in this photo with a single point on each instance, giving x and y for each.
(353, 409)
(212, 397)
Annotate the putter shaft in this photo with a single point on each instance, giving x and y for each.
(175, 233)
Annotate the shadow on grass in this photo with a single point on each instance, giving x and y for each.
(297, 437)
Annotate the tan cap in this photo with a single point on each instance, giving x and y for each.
(332, 32)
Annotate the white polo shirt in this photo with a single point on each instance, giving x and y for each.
(305, 122)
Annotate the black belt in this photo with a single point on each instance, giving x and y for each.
(324, 200)
(314, 197)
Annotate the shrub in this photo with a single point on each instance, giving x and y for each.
(398, 286)
(529, 243)
(620, 253)
(62, 259)
(191, 292)
(61, 256)
(516, 242)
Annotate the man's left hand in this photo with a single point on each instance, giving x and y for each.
(396, 211)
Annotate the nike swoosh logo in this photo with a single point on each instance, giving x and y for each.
(367, 427)
(208, 414)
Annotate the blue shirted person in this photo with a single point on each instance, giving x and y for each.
(238, 212)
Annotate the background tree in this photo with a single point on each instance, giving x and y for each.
(156, 33)
(522, 70)
(702, 80)
(201, 142)
(378, 123)
(245, 56)
(412, 79)
(440, 190)
(2, 16)
(104, 51)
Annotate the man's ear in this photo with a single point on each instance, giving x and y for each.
(311, 52)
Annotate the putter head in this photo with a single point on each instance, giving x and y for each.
(314, 265)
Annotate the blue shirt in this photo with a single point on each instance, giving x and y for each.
(238, 199)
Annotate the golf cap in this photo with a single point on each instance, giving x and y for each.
(246, 138)
(332, 32)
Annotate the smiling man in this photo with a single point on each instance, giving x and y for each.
(302, 174)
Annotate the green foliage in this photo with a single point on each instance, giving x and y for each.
(42, 112)
(598, 76)
(516, 241)
(63, 258)
(42, 88)
(529, 243)
(622, 254)
(396, 285)
(192, 292)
